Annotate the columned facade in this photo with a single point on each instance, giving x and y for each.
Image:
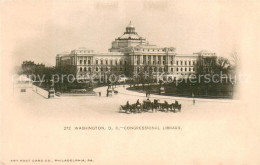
(131, 54)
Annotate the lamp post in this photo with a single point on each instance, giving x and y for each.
(51, 91)
(192, 93)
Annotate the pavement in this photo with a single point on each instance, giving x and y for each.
(210, 126)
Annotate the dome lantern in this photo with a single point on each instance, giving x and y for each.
(130, 28)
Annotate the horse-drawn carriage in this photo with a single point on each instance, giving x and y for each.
(148, 105)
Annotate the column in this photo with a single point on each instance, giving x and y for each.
(141, 59)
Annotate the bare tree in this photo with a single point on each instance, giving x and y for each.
(235, 60)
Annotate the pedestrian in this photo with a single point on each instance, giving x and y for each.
(193, 98)
(99, 94)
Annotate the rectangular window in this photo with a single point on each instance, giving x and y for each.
(80, 61)
(85, 61)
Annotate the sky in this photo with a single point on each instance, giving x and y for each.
(38, 30)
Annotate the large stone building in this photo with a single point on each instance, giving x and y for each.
(131, 54)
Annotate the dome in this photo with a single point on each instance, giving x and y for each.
(205, 51)
(130, 25)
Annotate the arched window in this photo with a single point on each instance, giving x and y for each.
(177, 69)
(97, 62)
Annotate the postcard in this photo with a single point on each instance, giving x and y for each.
(112, 82)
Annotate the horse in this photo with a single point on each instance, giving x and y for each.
(128, 107)
(125, 108)
(165, 105)
(155, 105)
(175, 106)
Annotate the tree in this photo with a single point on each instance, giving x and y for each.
(212, 65)
(235, 61)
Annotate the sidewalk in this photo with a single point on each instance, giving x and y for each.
(123, 91)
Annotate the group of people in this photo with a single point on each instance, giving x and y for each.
(138, 102)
